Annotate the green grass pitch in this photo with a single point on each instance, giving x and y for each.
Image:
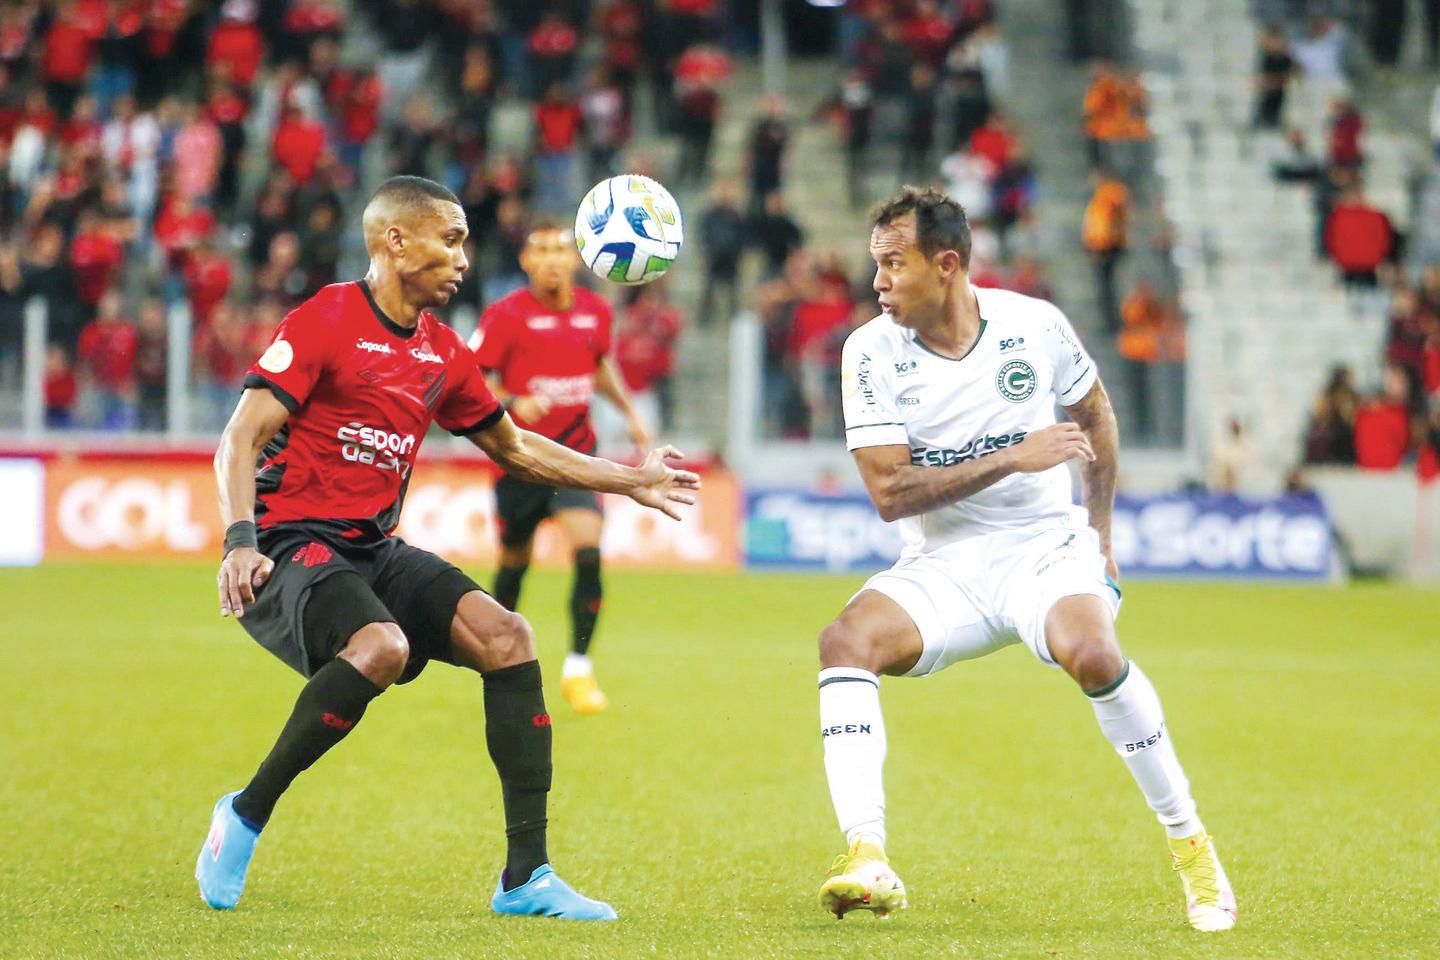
(1306, 718)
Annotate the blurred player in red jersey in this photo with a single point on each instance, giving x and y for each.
(546, 349)
(312, 470)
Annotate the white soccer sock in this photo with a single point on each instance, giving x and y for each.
(854, 736)
(1130, 716)
(576, 665)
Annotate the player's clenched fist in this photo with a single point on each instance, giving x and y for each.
(243, 571)
(1050, 446)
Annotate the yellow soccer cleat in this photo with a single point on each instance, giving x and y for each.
(583, 693)
(862, 880)
(1209, 901)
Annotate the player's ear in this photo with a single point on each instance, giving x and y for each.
(395, 240)
(947, 263)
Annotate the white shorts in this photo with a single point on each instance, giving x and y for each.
(974, 597)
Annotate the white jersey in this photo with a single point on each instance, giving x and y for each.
(1025, 360)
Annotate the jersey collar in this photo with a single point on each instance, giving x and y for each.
(979, 334)
(915, 339)
(404, 333)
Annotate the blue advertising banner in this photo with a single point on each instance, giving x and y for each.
(1223, 535)
(1174, 535)
(798, 529)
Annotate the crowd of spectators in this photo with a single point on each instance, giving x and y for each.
(155, 152)
(1311, 69)
(1305, 94)
(929, 78)
(125, 131)
(160, 152)
(1400, 422)
(933, 79)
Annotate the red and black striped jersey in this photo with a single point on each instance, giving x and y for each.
(362, 391)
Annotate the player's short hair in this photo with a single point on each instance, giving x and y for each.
(413, 191)
(940, 222)
(400, 198)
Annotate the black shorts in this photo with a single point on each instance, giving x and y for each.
(520, 506)
(325, 588)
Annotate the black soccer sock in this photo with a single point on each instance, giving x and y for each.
(584, 599)
(328, 708)
(507, 586)
(517, 731)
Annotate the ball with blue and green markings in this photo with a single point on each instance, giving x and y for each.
(629, 229)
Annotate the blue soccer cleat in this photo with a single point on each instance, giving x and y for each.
(225, 856)
(546, 895)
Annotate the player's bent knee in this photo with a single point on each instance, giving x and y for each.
(510, 641)
(1093, 661)
(486, 636)
(517, 638)
(1080, 634)
(841, 645)
(380, 652)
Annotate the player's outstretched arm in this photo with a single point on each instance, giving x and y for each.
(1094, 415)
(532, 457)
(900, 489)
(257, 418)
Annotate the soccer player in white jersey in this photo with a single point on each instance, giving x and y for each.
(949, 399)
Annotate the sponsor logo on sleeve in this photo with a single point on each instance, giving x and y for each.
(862, 380)
(370, 346)
(1070, 341)
(278, 357)
(425, 356)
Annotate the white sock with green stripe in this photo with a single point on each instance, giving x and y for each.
(854, 734)
(1131, 718)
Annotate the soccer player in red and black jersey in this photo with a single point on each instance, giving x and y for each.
(312, 470)
(546, 349)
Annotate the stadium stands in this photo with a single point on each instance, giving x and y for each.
(211, 157)
(1268, 318)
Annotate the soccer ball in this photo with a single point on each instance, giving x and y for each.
(628, 229)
